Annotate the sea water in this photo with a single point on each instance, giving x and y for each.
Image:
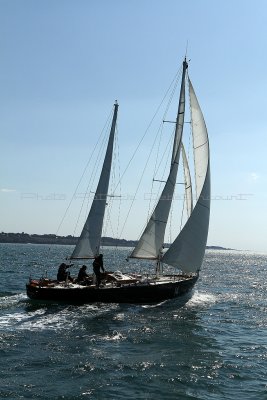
(213, 347)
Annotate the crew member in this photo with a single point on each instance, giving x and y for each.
(97, 265)
(62, 273)
(82, 276)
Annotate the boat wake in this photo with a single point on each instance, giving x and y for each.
(200, 299)
(12, 300)
(154, 305)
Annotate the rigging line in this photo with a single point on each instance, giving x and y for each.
(167, 149)
(192, 138)
(165, 114)
(86, 166)
(161, 181)
(186, 48)
(156, 169)
(92, 177)
(158, 165)
(188, 159)
(150, 123)
(100, 156)
(170, 223)
(114, 224)
(134, 197)
(108, 220)
(119, 177)
(182, 213)
(139, 144)
(155, 166)
(173, 86)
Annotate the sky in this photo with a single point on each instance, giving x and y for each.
(64, 62)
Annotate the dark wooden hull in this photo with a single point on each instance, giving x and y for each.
(139, 293)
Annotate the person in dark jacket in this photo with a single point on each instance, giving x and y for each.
(62, 273)
(82, 276)
(97, 265)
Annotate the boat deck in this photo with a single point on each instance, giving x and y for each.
(112, 280)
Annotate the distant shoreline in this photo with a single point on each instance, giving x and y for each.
(71, 240)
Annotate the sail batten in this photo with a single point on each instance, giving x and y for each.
(89, 241)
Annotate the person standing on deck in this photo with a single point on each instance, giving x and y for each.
(97, 265)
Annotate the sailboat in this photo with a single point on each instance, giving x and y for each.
(184, 254)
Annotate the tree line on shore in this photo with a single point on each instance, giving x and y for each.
(70, 240)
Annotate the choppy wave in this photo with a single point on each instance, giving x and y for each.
(212, 347)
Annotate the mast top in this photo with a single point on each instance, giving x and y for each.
(185, 64)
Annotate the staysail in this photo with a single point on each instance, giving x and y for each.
(188, 249)
(151, 241)
(89, 241)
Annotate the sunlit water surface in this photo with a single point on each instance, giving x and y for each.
(214, 347)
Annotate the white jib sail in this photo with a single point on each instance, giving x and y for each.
(150, 243)
(188, 249)
(89, 241)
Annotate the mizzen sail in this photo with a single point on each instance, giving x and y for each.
(89, 241)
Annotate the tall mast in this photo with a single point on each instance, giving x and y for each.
(180, 114)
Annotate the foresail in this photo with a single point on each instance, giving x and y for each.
(151, 241)
(188, 249)
(89, 241)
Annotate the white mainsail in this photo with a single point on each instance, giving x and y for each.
(151, 241)
(188, 249)
(89, 241)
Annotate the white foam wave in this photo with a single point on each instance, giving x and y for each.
(16, 320)
(154, 305)
(36, 320)
(8, 301)
(200, 298)
(45, 318)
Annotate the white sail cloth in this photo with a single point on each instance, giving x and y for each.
(188, 249)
